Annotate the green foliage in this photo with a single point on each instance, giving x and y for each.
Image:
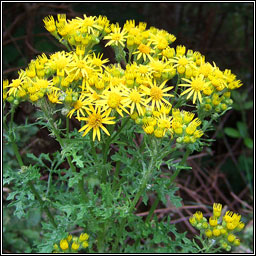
(94, 187)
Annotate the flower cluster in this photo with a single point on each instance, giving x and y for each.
(218, 228)
(71, 244)
(148, 80)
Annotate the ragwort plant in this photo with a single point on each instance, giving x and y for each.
(169, 96)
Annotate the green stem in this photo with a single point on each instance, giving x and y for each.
(67, 126)
(177, 171)
(35, 192)
(115, 179)
(153, 207)
(59, 139)
(142, 187)
(106, 148)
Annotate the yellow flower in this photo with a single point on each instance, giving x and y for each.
(196, 85)
(85, 244)
(54, 96)
(59, 62)
(75, 246)
(217, 209)
(231, 237)
(88, 24)
(149, 129)
(79, 106)
(193, 221)
(81, 67)
(216, 232)
(83, 237)
(49, 23)
(116, 37)
(97, 61)
(198, 215)
(64, 244)
(213, 221)
(17, 84)
(159, 132)
(144, 51)
(113, 99)
(208, 233)
(134, 100)
(95, 121)
(156, 94)
(236, 242)
(191, 128)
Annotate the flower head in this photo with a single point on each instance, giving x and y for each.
(95, 121)
(196, 85)
(116, 37)
(157, 93)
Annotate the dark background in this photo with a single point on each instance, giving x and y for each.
(223, 32)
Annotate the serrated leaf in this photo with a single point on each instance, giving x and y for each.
(12, 195)
(231, 132)
(145, 198)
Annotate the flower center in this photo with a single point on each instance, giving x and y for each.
(116, 37)
(114, 100)
(61, 63)
(135, 97)
(81, 64)
(95, 120)
(156, 93)
(78, 104)
(183, 61)
(88, 22)
(97, 62)
(143, 70)
(144, 48)
(16, 83)
(197, 85)
(162, 44)
(205, 70)
(42, 83)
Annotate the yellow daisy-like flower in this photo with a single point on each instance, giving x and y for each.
(79, 106)
(16, 84)
(134, 99)
(156, 94)
(113, 100)
(196, 85)
(98, 62)
(144, 51)
(116, 37)
(95, 121)
(88, 24)
(54, 96)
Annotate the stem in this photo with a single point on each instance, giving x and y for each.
(153, 207)
(35, 192)
(59, 139)
(116, 175)
(177, 171)
(142, 187)
(67, 126)
(106, 147)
